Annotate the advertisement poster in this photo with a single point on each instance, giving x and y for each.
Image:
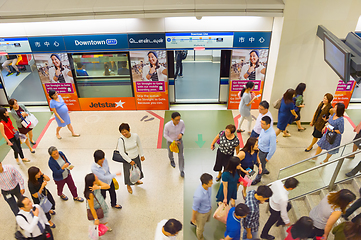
(344, 92)
(149, 72)
(55, 73)
(107, 104)
(247, 65)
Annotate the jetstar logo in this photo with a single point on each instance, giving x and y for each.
(106, 104)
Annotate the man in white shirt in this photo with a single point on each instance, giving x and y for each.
(263, 111)
(173, 131)
(168, 229)
(279, 205)
(32, 219)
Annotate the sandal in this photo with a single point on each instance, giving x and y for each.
(52, 212)
(139, 183)
(25, 160)
(117, 206)
(78, 199)
(130, 190)
(65, 198)
(33, 142)
(59, 137)
(76, 135)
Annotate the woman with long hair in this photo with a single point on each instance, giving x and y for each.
(298, 101)
(36, 183)
(335, 125)
(285, 112)
(253, 70)
(227, 192)
(248, 157)
(328, 211)
(95, 199)
(154, 71)
(19, 112)
(245, 106)
(58, 73)
(320, 119)
(301, 229)
(11, 136)
(348, 230)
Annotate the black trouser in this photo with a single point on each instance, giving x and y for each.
(9, 197)
(356, 169)
(17, 147)
(113, 195)
(262, 157)
(178, 68)
(353, 208)
(275, 217)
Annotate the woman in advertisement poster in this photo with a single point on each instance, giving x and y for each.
(253, 70)
(154, 71)
(58, 73)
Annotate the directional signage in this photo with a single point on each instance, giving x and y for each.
(149, 40)
(200, 39)
(47, 44)
(96, 42)
(14, 45)
(252, 39)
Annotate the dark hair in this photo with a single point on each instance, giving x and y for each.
(264, 191)
(205, 178)
(11, 103)
(98, 154)
(156, 55)
(300, 89)
(124, 126)
(256, 52)
(341, 199)
(172, 226)
(175, 114)
(264, 104)
(340, 109)
(20, 202)
(89, 182)
(288, 95)
(302, 228)
(241, 210)
(250, 145)
(291, 182)
(329, 97)
(2, 115)
(51, 93)
(79, 65)
(352, 229)
(232, 165)
(231, 128)
(249, 85)
(267, 119)
(32, 171)
(57, 56)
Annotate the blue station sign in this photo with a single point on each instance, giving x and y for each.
(47, 44)
(252, 39)
(96, 42)
(149, 40)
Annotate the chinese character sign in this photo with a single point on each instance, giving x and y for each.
(247, 65)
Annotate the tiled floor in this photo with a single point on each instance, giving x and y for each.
(164, 193)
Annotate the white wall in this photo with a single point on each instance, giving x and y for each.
(358, 26)
(131, 25)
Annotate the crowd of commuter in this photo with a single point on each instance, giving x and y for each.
(242, 219)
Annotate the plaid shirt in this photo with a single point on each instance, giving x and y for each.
(10, 178)
(252, 219)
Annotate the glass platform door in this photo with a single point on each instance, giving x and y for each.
(200, 78)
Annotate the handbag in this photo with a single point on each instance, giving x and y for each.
(331, 137)
(45, 204)
(134, 174)
(16, 133)
(219, 139)
(116, 184)
(277, 103)
(22, 137)
(116, 155)
(34, 121)
(221, 213)
(99, 211)
(25, 122)
(173, 147)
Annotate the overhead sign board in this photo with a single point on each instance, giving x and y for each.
(199, 39)
(96, 42)
(47, 44)
(251, 39)
(14, 45)
(151, 40)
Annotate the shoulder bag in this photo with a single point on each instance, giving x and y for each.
(16, 133)
(277, 103)
(331, 137)
(219, 139)
(116, 155)
(45, 204)
(99, 211)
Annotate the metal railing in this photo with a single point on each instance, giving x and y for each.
(319, 169)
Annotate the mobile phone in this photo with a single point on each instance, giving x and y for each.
(258, 95)
(250, 171)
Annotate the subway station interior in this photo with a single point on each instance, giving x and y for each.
(202, 54)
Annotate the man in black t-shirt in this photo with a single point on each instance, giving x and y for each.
(11, 59)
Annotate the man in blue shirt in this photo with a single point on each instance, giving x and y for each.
(233, 227)
(80, 71)
(100, 168)
(266, 145)
(202, 205)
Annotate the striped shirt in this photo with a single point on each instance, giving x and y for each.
(10, 178)
(252, 219)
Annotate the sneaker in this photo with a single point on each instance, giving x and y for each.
(255, 182)
(172, 163)
(17, 73)
(10, 73)
(182, 174)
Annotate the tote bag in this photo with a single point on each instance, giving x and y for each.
(34, 121)
(221, 213)
(134, 174)
(45, 204)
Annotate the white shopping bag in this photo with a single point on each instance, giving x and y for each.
(93, 232)
(134, 175)
(34, 121)
(22, 137)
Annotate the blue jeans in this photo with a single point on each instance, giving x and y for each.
(254, 134)
(254, 234)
